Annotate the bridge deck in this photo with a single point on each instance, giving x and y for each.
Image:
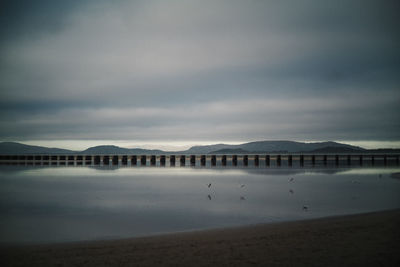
(200, 159)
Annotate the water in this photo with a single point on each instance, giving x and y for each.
(57, 204)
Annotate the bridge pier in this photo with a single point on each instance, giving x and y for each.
(79, 160)
(256, 160)
(361, 160)
(267, 160)
(336, 160)
(203, 160)
(152, 160)
(234, 160)
(325, 159)
(183, 160)
(134, 160)
(88, 160)
(302, 160)
(114, 160)
(245, 160)
(45, 160)
(37, 160)
(106, 160)
(29, 160)
(162, 160)
(313, 160)
(96, 160)
(223, 160)
(71, 160)
(192, 160)
(278, 160)
(143, 160)
(124, 160)
(213, 160)
(53, 160)
(172, 160)
(290, 160)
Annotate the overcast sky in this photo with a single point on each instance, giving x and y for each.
(176, 72)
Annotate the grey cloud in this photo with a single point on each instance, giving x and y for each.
(162, 70)
(306, 118)
(25, 20)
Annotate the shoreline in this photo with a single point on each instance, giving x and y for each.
(369, 239)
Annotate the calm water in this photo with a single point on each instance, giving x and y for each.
(81, 203)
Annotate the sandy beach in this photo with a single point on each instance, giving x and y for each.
(371, 239)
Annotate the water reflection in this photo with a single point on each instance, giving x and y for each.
(118, 170)
(79, 203)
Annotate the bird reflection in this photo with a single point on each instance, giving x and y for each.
(305, 208)
(291, 191)
(242, 198)
(209, 197)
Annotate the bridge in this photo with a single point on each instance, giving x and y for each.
(203, 160)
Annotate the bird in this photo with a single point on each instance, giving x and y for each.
(241, 186)
(305, 208)
(209, 197)
(291, 179)
(242, 198)
(209, 185)
(291, 191)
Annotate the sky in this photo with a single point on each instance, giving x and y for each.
(177, 73)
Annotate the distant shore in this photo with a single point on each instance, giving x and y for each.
(371, 239)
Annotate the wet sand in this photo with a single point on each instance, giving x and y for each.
(371, 239)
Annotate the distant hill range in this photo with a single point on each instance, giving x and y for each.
(12, 148)
(119, 150)
(276, 147)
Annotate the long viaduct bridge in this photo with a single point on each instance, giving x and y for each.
(203, 160)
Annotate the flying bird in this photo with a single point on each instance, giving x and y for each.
(209, 185)
(209, 197)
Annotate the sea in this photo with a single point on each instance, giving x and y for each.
(51, 204)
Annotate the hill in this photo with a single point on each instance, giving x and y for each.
(330, 149)
(119, 150)
(11, 148)
(229, 151)
(273, 146)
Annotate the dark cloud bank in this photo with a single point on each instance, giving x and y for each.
(200, 70)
